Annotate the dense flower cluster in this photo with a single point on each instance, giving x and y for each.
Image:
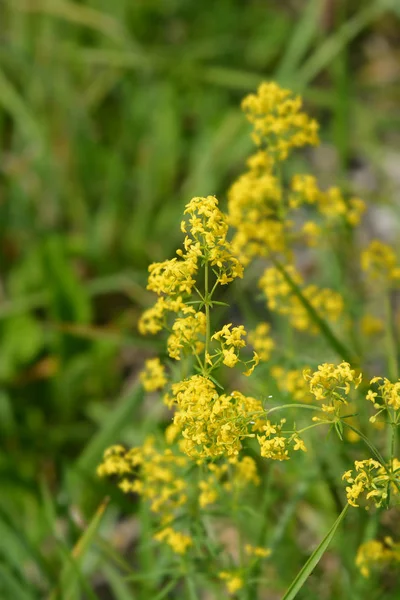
(173, 280)
(333, 384)
(276, 116)
(372, 481)
(212, 425)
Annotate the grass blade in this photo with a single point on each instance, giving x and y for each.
(314, 559)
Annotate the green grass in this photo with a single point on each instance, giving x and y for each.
(112, 115)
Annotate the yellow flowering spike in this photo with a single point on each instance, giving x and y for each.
(187, 335)
(153, 376)
(276, 116)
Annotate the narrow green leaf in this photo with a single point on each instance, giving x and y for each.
(71, 570)
(314, 559)
(108, 434)
(300, 40)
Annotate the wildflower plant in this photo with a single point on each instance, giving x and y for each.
(220, 443)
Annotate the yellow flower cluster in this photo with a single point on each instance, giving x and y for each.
(255, 211)
(330, 204)
(282, 299)
(291, 381)
(212, 425)
(375, 553)
(332, 383)
(372, 481)
(173, 280)
(261, 341)
(233, 581)
(207, 230)
(387, 397)
(231, 341)
(276, 446)
(278, 121)
(155, 475)
(187, 335)
(178, 542)
(153, 376)
(380, 263)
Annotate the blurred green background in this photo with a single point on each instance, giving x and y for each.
(112, 116)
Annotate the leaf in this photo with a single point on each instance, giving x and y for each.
(314, 559)
(108, 434)
(71, 570)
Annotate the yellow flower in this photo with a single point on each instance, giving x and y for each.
(230, 358)
(257, 551)
(178, 542)
(277, 118)
(233, 581)
(380, 263)
(153, 377)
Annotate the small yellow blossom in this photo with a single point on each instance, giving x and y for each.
(178, 542)
(380, 263)
(153, 377)
(232, 580)
(257, 551)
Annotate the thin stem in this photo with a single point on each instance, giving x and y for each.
(207, 311)
(284, 406)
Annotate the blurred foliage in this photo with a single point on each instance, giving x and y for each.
(112, 115)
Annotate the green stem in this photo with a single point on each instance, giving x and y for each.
(284, 406)
(207, 311)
